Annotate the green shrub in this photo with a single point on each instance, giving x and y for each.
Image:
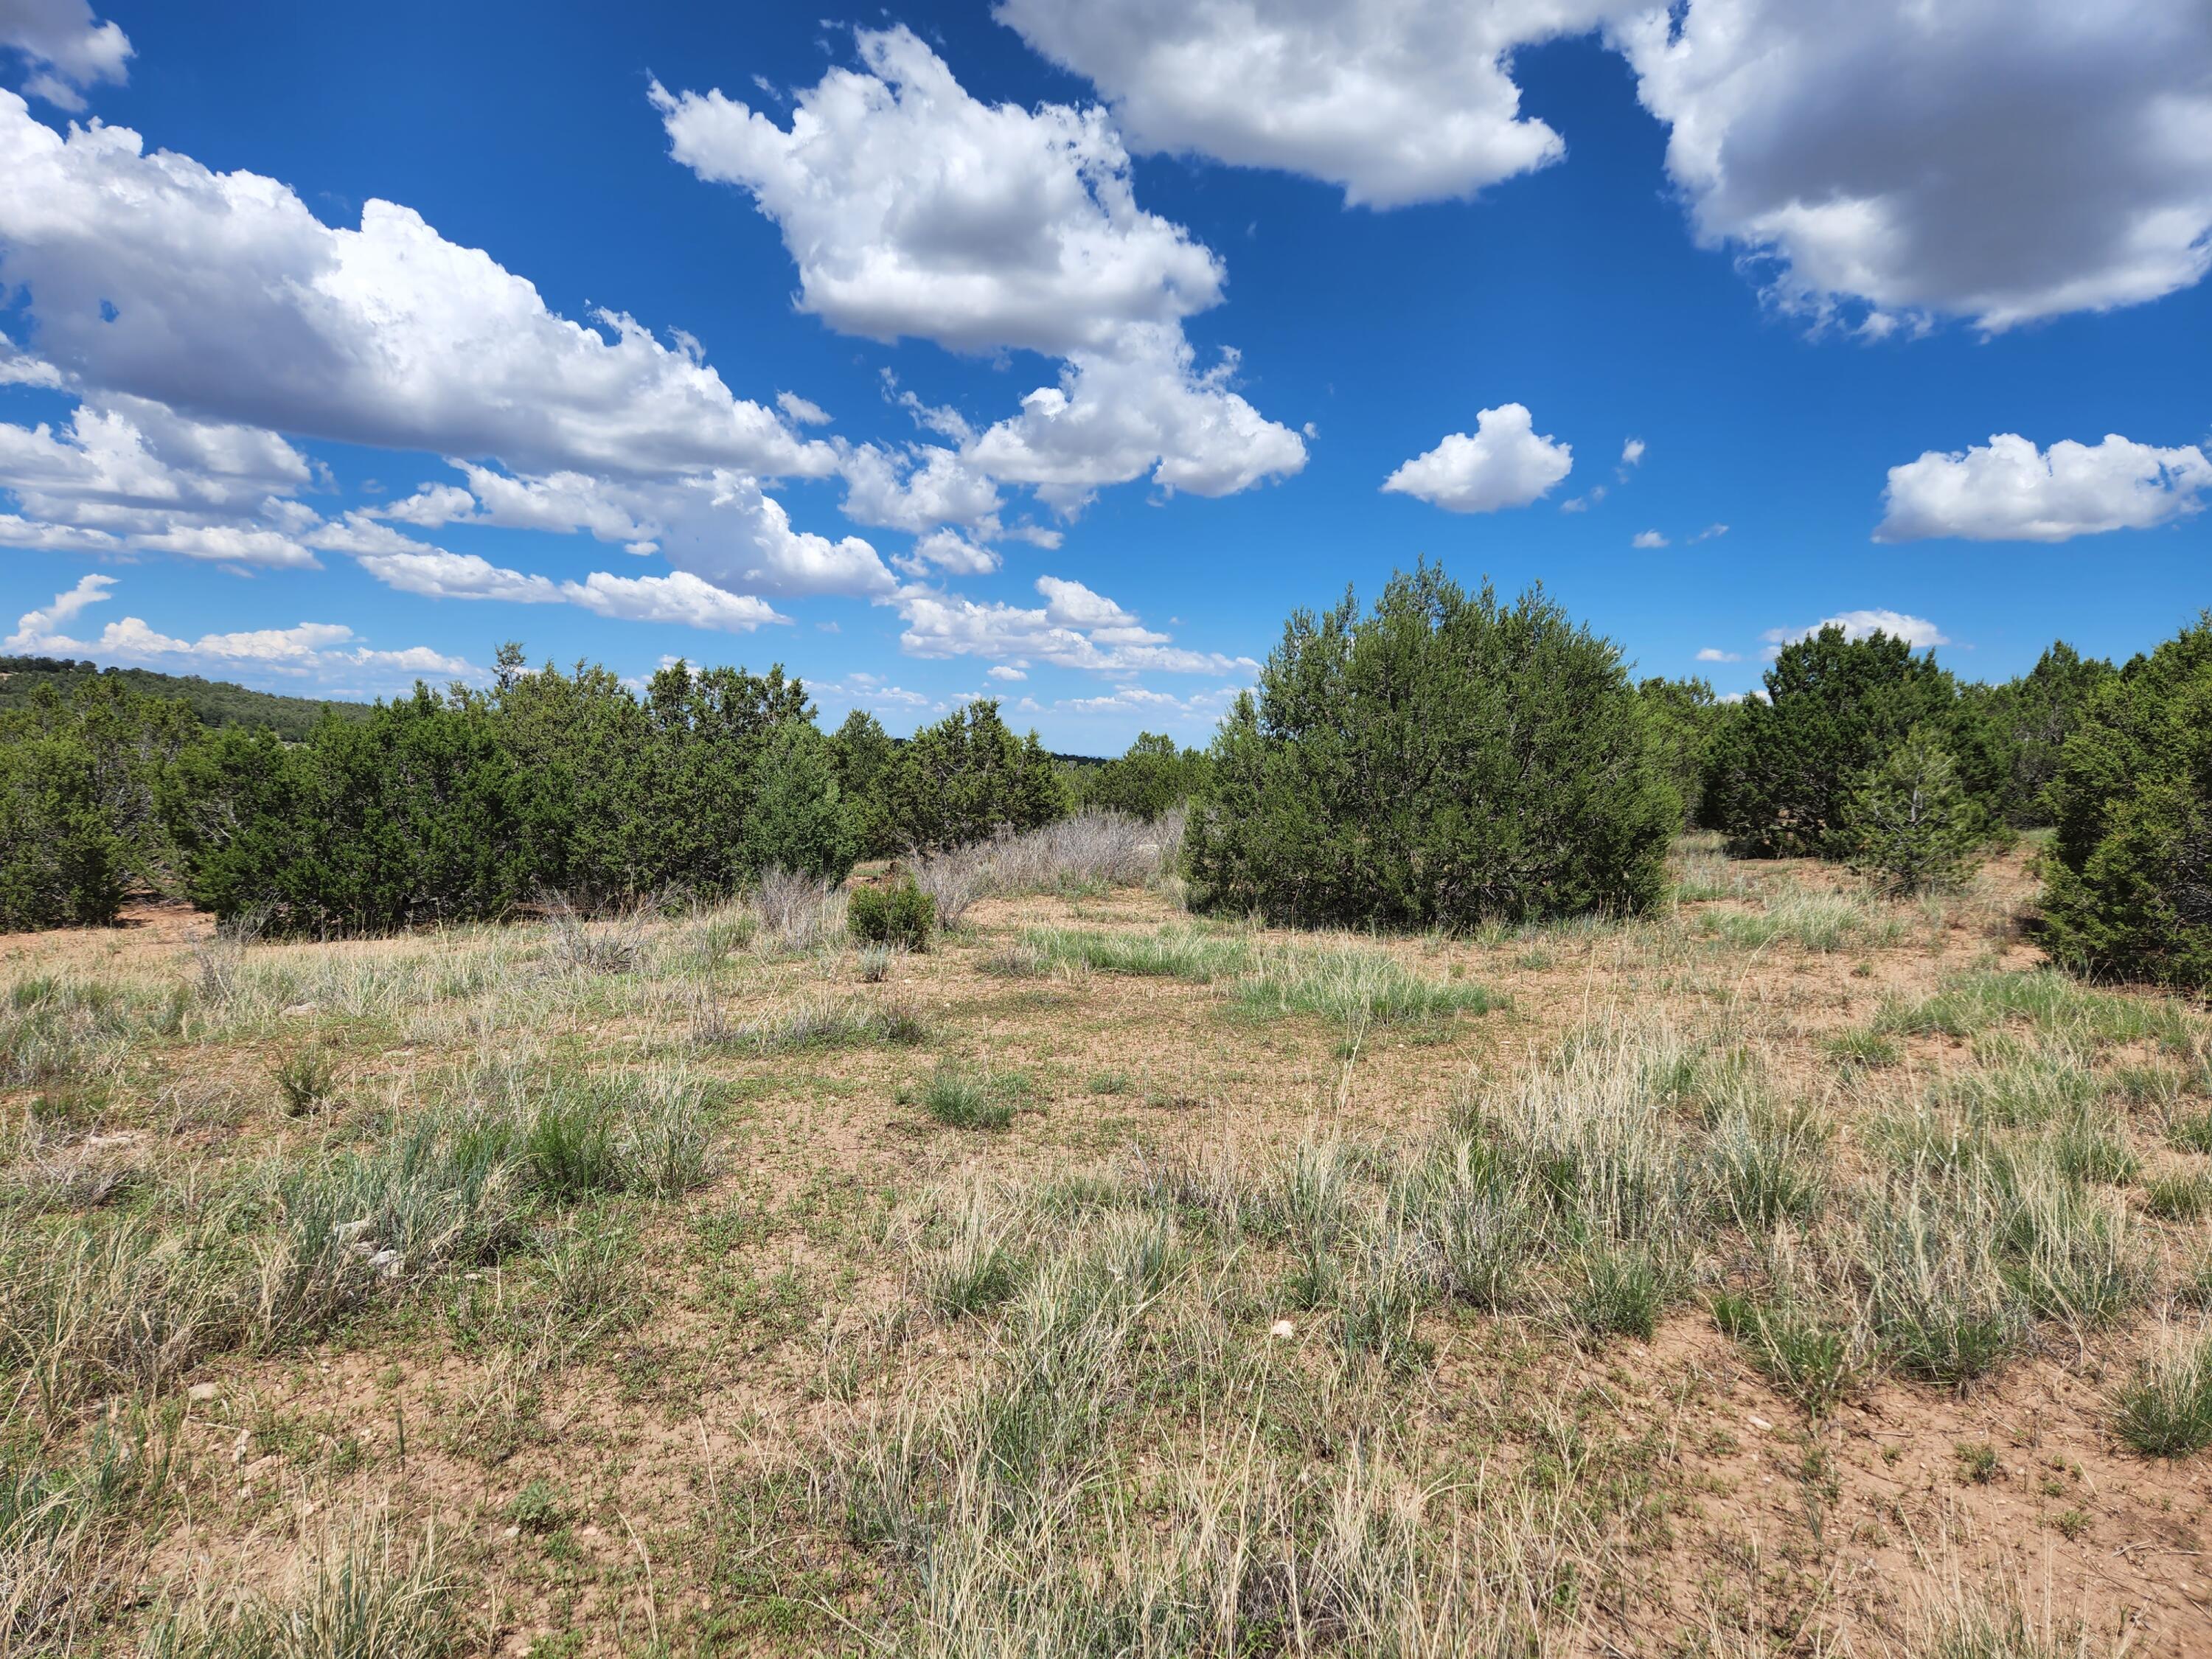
(902, 915)
(85, 783)
(2166, 1409)
(1152, 778)
(1908, 824)
(2128, 887)
(967, 778)
(961, 1100)
(1781, 768)
(1441, 761)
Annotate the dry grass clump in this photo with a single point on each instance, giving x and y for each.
(1087, 853)
(797, 912)
(359, 1594)
(821, 1020)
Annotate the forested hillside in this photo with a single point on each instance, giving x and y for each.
(216, 702)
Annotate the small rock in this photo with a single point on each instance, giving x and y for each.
(1758, 1422)
(240, 1447)
(299, 1009)
(511, 1532)
(387, 1263)
(200, 1393)
(1283, 1330)
(346, 1231)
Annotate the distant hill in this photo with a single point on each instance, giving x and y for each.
(217, 702)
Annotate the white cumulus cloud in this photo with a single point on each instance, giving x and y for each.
(330, 652)
(1392, 101)
(1916, 631)
(2002, 160)
(66, 47)
(679, 596)
(913, 209)
(2008, 490)
(1504, 464)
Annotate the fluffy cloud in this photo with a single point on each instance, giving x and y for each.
(1142, 700)
(1075, 627)
(310, 649)
(1916, 631)
(2008, 490)
(415, 567)
(1503, 465)
(199, 313)
(1111, 419)
(1647, 538)
(720, 526)
(918, 488)
(2002, 160)
(136, 476)
(1394, 100)
(220, 295)
(1632, 453)
(1713, 653)
(912, 208)
(432, 505)
(67, 49)
(950, 551)
(678, 598)
(915, 209)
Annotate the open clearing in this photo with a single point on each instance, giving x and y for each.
(1765, 1275)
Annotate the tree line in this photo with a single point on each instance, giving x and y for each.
(1441, 759)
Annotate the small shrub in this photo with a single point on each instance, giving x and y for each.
(307, 1079)
(2179, 1197)
(1866, 1048)
(1441, 760)
(2166, 1409)
(961, 1100)
(1979, 1461)
(1621, 1289)
(1908, 824)
(1814, 1361)
(2190, 1134)
(873, 963)
(900, 915)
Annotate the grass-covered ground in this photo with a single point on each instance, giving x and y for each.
(1788, 1271)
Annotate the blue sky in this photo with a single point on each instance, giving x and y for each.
(1056, 350)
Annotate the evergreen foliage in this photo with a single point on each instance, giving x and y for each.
(1684, 717)
(967, 778)
(1781, 769)
(1153, 776)
(86, 782)
(1908, 823)
(2129, 884)
(1441, 760)
(213, 703)
(901, 915)
(865, 758)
